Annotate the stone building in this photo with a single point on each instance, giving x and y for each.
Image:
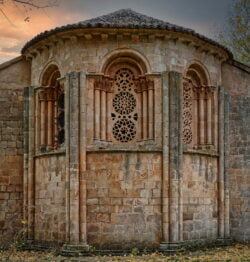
(125, 131)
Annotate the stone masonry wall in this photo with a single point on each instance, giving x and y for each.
(124, 199)
(14, 75)
(200, 218)
(50, 224)
(237, 82)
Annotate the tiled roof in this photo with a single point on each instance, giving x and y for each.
(124, 18)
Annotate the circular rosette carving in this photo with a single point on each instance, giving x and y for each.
(187, 100)
(187, 136)
(124, 103)
(187, 118)
(124, 79)
(124, 130)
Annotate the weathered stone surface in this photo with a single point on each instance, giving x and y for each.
(13, 79)
(110, 194)
(236, 81)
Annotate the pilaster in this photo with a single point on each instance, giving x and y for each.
(75, 120)
(172, 135)
(223, 187)
(28, 178)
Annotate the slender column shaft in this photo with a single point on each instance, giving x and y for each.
(103, 115)
(97, 114)
(150, 114)
(195, 127)
(37, 121)
(215, 122)
(202, 118)
(55, 122)
(108, 116)
(209, 119)
(43, 122)
(50, 123)
(145, 115)
(140, 117)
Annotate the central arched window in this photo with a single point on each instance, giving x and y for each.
(124, 103)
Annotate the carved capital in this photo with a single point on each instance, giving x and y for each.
(142, 84)
(104, 84)
(210, 91)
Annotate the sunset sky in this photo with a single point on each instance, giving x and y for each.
(204, 16)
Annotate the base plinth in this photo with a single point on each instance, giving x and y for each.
(75, 250)
(169, 248)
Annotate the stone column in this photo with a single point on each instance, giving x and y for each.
(209, 115)
(175, 154)
(150, 109)
(74, 155)
(103, 115)
(221, 203)
(172, 161)
(226, 165)
(82, 157)
(26, 151)
(202, 133)
(165, 158)
(50, 122)
(37, 120)
(29, 196)
(43, 119)
(75, 108)
(145, 114)
(97, 102)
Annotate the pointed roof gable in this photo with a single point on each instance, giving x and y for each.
(123, 18)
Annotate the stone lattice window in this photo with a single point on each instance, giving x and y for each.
(199, 109)
(50, 133)
(124, 105)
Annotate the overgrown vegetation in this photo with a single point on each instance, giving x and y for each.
(237, 252)
(236, 33)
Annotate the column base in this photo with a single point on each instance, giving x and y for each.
(75, 250)
(169, 248)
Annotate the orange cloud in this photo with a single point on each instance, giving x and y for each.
(19, 24)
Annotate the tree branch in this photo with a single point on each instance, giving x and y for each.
(34, 5)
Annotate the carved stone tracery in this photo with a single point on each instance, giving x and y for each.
(198, 113)
(125, 97)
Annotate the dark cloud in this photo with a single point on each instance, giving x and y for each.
(200, 15)
(204, 16)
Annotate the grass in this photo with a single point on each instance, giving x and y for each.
(237, 252)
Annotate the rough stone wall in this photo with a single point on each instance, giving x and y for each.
(237, 82)
(14, 75)
(200, 212)
(50, 224)
(124, 199)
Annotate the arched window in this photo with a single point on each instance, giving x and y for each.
(124, 103)
(199, 109)
(50, 112)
